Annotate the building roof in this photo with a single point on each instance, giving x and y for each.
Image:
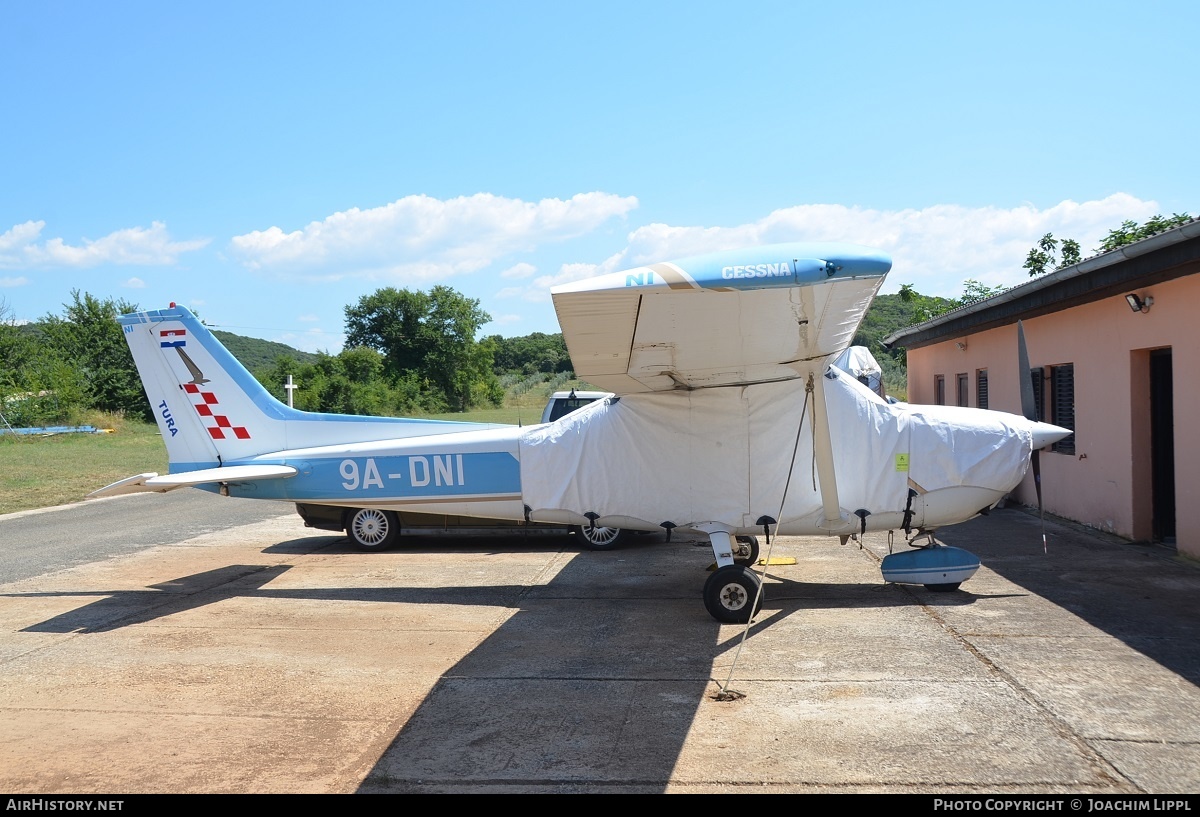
(1170, 254)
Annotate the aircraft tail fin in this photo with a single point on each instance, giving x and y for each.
(192, 392)
(211, 412)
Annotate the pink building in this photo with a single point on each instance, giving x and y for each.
(1114, 343)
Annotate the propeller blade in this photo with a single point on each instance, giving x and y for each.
(1024, 376)
(1043, 433)
(1036, 462)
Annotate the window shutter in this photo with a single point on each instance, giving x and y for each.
(1062, 383)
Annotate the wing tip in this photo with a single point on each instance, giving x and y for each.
(130, 485)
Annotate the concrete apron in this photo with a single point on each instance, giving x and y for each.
(270, 659)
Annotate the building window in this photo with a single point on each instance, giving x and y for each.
(1057, 404)
(1062, 404)
(961, 390)
(981, 394)
(939, 389)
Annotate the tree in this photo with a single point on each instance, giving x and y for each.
(16, 348)
(976, 291)
(529, 354)
(28, 393)
(1129, 231)
(1044, 254)
(924, 307)
(89, 338)
(430, 335)
(390, 321)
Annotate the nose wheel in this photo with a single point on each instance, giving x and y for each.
(745, 550)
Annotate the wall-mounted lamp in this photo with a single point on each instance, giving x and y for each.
(962, 345)
(1139, 304)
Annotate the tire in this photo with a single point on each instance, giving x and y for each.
(372, 529)
(745, 550)
(730, 593)
(942, 588)
(600, 537)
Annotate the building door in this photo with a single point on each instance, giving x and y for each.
(1162, 446)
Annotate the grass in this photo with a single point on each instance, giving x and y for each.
(37, 472)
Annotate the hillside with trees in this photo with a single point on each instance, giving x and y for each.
(256, 353)
(62, 368)
(887, 314)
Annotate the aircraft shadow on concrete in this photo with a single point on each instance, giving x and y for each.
(1135, 592)
(588, 687)
(113, 610)
(116, 609)
(594, 680)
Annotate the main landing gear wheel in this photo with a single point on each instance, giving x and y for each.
(730, 592)
(600, 537)
(745, 550)
(373, 529)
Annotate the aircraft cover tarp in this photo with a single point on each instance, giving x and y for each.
(859, 363)
(677, 453)
(725, 455)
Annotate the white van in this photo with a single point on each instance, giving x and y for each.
(564, 402)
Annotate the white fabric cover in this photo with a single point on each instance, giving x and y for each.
(859, 363)
(724, 455)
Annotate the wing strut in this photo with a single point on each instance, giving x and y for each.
(823, 453)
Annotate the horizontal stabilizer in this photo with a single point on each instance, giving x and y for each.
(130, 485)
(232, 473)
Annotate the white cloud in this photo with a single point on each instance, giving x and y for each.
(419, 238)
(505, 320)
(521, 270)
(308, 319)
(134, 283)
(20, 235)
(935, 248)
(140, 246)
(14, 282)
(538, 290)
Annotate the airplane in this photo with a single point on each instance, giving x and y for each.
(727, 419)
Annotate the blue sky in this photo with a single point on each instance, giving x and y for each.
(269, 163)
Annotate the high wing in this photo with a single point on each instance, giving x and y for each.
(737, 317)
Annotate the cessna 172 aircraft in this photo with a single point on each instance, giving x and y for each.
(726, 419)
